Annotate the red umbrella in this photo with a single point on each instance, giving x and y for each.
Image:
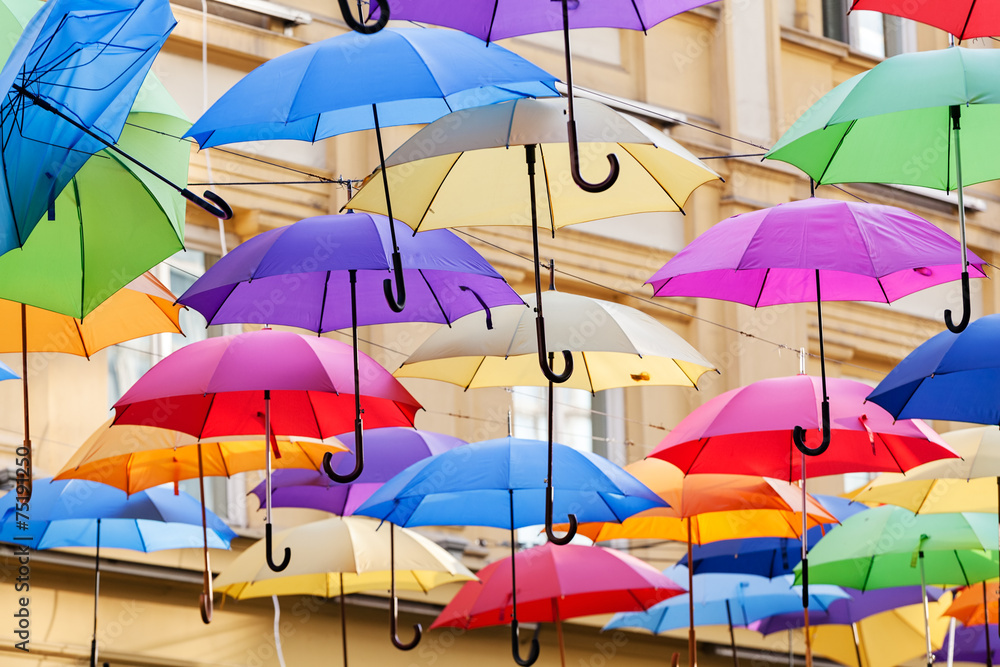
(965, 19)
(555, 583)
(230, 385)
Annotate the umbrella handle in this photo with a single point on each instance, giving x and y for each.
(417, 629)
(269, 544)
(489, 315)
(515, 646)
(359, 458)
(206, 602)
(574, 164)
(966, 308)
(356, 26)
(221, 209)
(543, 355)
(565, 539)
(397, 271)
(799, 435)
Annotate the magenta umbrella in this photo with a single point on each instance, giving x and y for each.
(228, 385)
(786, 253)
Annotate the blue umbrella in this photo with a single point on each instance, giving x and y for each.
(410, 75)
(765, 556)
(75, 513)
(726, 599)
(502, 483)
(6, 373)
(69, 84)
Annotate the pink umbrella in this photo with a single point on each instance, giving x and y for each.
(228, 386)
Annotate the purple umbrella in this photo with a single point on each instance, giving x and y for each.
(299, 276)
(497, 19)
(972, 644)
(394, 449)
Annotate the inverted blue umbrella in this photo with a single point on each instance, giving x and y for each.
(411, 75)
(68, 85)
(326, 273)
(726, 599)
(81, 513)
(502, 483)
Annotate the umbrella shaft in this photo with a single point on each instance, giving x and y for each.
(956, 130)
(927, 614)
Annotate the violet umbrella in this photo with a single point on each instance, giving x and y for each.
(394, 449)
(226, 386)
(497, 19)
(299, 276)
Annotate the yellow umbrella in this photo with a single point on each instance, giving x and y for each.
(133, 458)
(967, 484)
(343, 555)
(884, 640)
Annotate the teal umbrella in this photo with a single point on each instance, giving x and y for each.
(890, 546)
(926, 119)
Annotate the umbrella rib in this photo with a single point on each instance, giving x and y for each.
(834, 151)
(83, 254)
(322, 305)
(548, 192)
(586, 367)
(208, 411)
(225, 464)
(83, 342)
(965, 575)
(881, 439)
(447, 320)
(437, 189)
(662, 187)
(767, 274)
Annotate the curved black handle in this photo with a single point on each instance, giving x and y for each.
(966, 308)
(359, 458)
(221, 210)
(356, 26)
(799, 434)
(574, 164)
(543, 356)
(417, 629)
(489, 315)
(565, 539)
(515, 646)
(269, 543)
(397, 270)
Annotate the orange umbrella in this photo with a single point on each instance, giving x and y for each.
(708, 508)
(972, 604)
(141, 308)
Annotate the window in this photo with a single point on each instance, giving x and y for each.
(872, 33)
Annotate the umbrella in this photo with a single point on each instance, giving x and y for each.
(459, 166)
(141, 308)
(971, 645)
(502, 484)
(412, 76)
(73, 514)
(890, 546)
(393, 448)
(556, 584)
(6, 373)
(224, 386)
(69, 83)
(497, 20)
(976, 604)
(897, 122)
(341, 556)
(731, 599)
(299, 275)
(967, 19)
(857, 251)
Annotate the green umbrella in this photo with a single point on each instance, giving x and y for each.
(890, 546)
(901, 122)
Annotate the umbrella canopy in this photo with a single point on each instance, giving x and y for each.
(503, 479)
(390, 450)
(618, 346)
(861, 252)
(141, 308)
(215, 387)
(950, 376)
(971, 604)
(965, 19)
(467, 168)
(69, 82)
(971, 645)
(718, 507)
(748, 431)
(6, 373)
(299, 275)
(133, 457)
(967, 484)
(726, 599)
(350, 546)
(555, 583)
(878, 548)
(412, 76)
